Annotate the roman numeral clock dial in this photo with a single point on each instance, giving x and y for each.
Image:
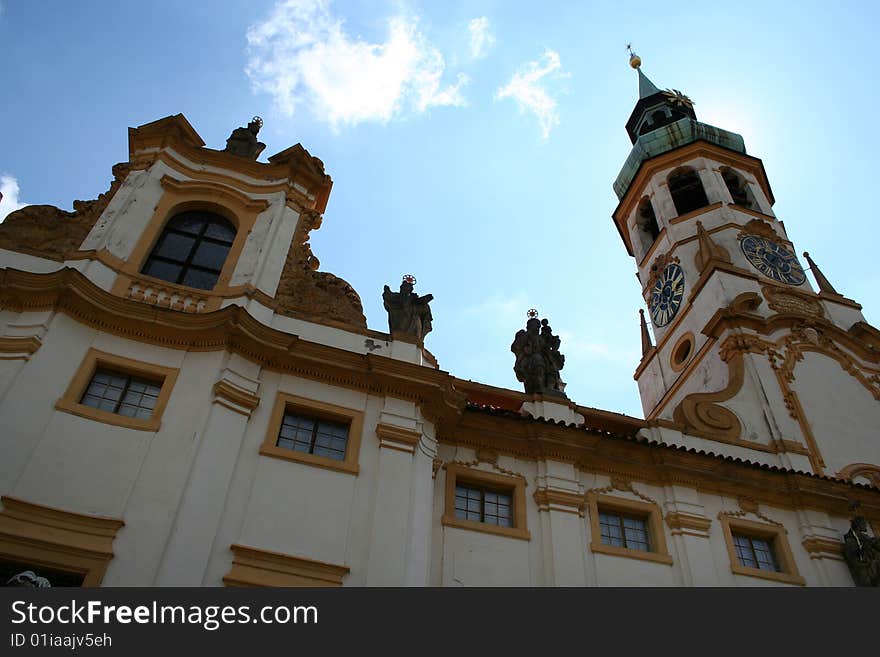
(667, 295)
(773, 260)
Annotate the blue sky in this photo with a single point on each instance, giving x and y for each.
(472, 144)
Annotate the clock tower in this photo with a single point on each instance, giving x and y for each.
(747, 359)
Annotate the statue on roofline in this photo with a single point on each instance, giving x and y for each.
(28, 579)
(538, 359)
(862, 553)
(409, 314)
(243, 141)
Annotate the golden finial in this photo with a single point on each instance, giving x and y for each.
(634, 60)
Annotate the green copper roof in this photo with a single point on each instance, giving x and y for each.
(646, 87)
(667, 138)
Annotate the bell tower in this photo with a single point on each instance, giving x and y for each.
(747, 358)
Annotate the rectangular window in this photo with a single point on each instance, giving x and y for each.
(312, 435)
(488, 502)
(118, 390)
(624, 527)
(755, 552)
(315, 433)
(759, 549)
(122, 394)
(624, 531)
(481, 505)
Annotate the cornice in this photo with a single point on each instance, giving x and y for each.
(234, 329)
(635, 458)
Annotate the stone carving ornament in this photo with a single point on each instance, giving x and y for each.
(28, 579)
(862, 553)
(408, 313)
(243, 141)
(538, 359)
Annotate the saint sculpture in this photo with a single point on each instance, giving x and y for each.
(243, 141)
(862, 553)
(538, 359)
(409, 314)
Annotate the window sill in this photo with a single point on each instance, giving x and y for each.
(656, 557)
(786, 578)
(509, 532)
(106, 417)
(309, 459)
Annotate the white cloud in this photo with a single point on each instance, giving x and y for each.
(303, 56)
(9, 190)
(525, 87)
(482, 38)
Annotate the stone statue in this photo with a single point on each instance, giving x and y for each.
(862, 553)
(28, 579)
(408, 313)
(243, 141)
(538, 360)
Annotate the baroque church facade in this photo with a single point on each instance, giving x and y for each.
(186, 400)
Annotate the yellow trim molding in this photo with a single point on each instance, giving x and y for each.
(678, 361)
(597, 502)
(323, 411)
(548, 499)
(867, 470)
(822, 547)
(399, 438)
(234, 398)
(94, 359)
(688, 524)
(61, 540)
(255, 567)
(18, 348)
(513, 486)
(776, 535)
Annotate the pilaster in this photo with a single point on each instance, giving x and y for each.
(400, 538)
(561, 506)
(204, 498)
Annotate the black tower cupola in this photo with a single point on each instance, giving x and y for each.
(655, 108)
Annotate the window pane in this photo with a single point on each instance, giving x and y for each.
(211, 255)
(189, 222)
(163, 270)
(121, 394)
(204, 280)
(313, 436)
(175, 247)
(743, 547)
(220, 231)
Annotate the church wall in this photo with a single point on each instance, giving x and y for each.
(843, 414)
(464, 557)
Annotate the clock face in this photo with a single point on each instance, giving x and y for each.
(773, 260)
(667, 295)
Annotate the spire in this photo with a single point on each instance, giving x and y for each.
(655, 108)
(646, 337)
(646, 87)
(821, 281)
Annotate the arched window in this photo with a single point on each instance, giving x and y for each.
(192, 249)
(737, 187)
(687, 190)
(646, 220)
